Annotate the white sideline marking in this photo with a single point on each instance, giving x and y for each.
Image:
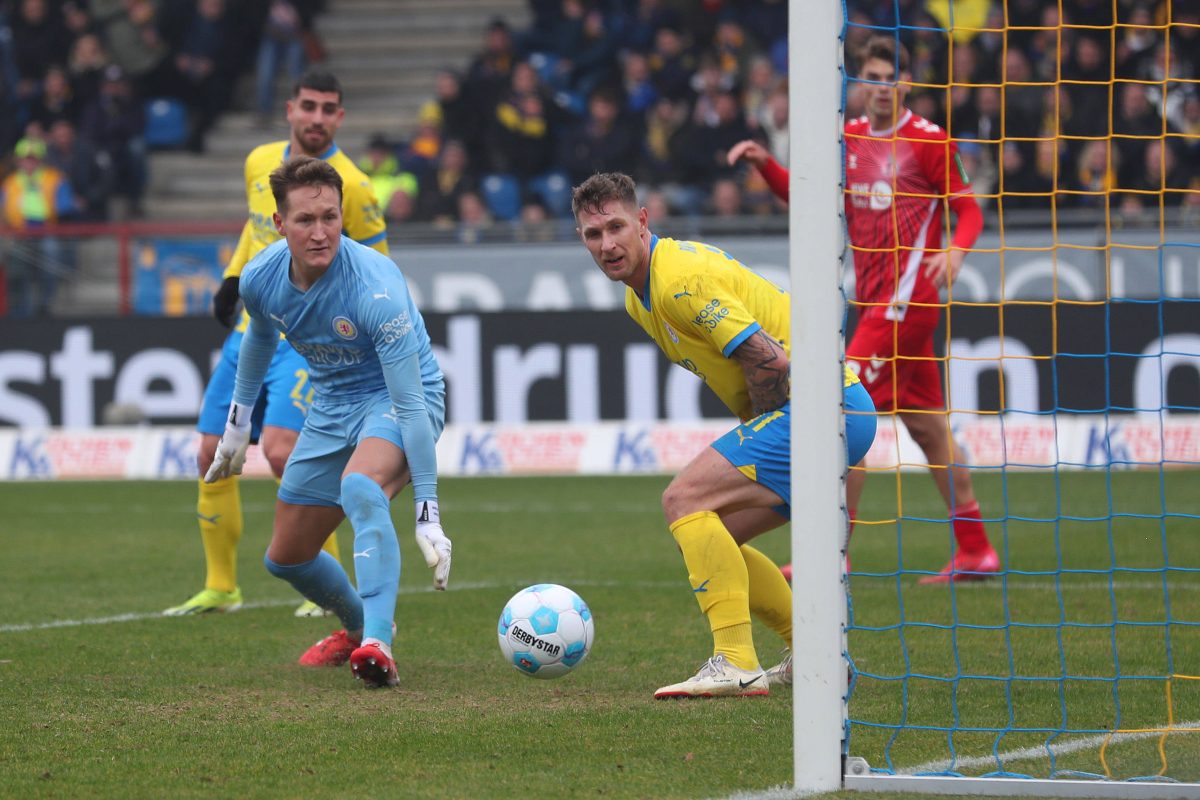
(1026, 753)
(460, 587)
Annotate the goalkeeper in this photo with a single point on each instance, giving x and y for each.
(314, 114)
(373, 425)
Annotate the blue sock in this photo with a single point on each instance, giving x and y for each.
(376, 553)
(323, 581)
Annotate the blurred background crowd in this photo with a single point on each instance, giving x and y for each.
(1044, 110)
(658, 88)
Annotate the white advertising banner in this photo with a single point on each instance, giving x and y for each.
(1014, 441)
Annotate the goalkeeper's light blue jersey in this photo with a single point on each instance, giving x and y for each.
(355, 321)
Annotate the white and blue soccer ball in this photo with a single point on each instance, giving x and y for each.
(545, 630)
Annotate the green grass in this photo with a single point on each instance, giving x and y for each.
(137, 705)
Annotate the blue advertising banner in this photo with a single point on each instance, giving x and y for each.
(177, 277)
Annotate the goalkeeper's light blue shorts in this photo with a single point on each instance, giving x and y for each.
(313, 475)
(761, 448)
(283, 402)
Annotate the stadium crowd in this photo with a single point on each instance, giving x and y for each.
(664, 89)
(1057, 108)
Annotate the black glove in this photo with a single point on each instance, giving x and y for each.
(225, 301)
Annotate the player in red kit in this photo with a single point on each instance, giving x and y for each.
(901, 171)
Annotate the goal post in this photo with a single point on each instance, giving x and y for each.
(815, 247)
(1070, 350)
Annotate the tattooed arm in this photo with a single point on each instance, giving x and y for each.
(765, 365)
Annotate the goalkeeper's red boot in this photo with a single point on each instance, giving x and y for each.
(373, 665)
(967, 567)
(332, 651)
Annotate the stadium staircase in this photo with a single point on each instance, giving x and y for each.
(385, 52)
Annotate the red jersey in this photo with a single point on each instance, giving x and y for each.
(897, 184)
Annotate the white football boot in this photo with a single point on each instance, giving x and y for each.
(718, 678)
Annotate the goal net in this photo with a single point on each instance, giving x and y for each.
(1068, 351)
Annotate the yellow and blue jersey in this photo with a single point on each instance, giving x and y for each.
(362, 218)
(699, 304)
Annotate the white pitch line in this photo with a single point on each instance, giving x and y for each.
(459, 587)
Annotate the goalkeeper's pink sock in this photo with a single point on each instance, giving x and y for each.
(968, 528)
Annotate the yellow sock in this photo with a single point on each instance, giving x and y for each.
(718, 576)
(770, 594)
(219, 510)
(331, 546)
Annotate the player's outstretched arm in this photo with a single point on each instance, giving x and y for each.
(254, 358)
(765, 364)
(772, 171)
(403, 379)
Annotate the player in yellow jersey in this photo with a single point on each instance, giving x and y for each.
(314, 114)
(731, 327)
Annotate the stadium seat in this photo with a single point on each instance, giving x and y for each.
(555, 190)
(166, 123)
(502, 193)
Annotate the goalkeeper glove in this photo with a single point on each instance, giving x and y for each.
(231, 450)
(225, 301)
(432, 540)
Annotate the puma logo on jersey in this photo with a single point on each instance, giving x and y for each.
(282, 322)
(381, 295)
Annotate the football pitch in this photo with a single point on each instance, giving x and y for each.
(104, 697)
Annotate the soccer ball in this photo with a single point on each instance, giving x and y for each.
(545, 630)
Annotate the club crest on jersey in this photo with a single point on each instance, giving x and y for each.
(344, 328)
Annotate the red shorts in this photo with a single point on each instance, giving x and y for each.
(896, 363)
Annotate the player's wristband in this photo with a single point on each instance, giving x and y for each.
(427, 511)
(239, 416)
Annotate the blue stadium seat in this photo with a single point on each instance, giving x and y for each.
(502, 193)
(555, 190)
(166, 123)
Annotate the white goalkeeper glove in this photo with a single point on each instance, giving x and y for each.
(434, 544)
(231, 450)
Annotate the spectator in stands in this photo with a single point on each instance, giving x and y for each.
(56, 100)
(474, 219)
(86, 65)
(202, 62)
(488, 75)
(761, 82)
(605, 141)
(439, 192)
(114, 122)
(520, 128)
(39, 40)
(1023, 183)
(1167, 88)
(88, 171)
(593, 61)
(1086, 77)
(1160, 177)
(671, 64)
(708, 145)
(421, 153)
(32, 197)
(282, 45)
(130, 30)
(1135, 42)
(642, 26)
(640, 94)
(725, 200)
(1133, 123)
(457, 116)
(666, 127)
(773, 120)
(12, 110)
(401, 207)
(1093, 177)
(734, 51)
(533, 223)
(380, 164)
